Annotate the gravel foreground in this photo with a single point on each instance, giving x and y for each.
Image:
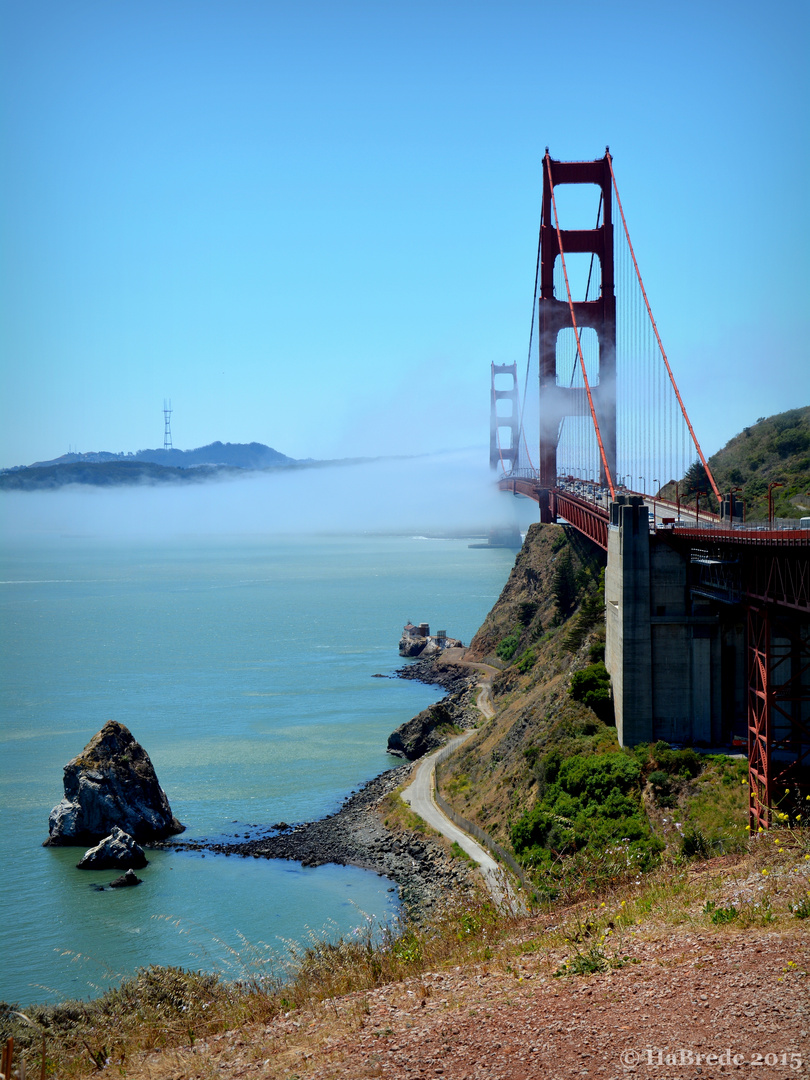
(690, 1005)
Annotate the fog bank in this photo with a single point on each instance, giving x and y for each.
(452, 492)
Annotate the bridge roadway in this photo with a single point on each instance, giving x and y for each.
(586, 507)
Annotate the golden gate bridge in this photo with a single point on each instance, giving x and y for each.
(699, 591)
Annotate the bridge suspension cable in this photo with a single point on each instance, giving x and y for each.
(522, 437)
(655, 403)
(531, 340)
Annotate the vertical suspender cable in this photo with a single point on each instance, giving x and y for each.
(522, 433)
(658, 338)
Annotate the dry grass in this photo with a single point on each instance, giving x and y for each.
(166, 1022)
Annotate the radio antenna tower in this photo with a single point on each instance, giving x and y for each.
(167, 424)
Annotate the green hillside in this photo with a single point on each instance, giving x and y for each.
(546, 776)
(776, 449)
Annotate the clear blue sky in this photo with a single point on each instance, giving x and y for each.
(314, 224)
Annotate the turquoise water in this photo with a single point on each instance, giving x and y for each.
(244, 666)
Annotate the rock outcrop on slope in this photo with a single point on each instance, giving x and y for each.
(118, 850)
(111, 783)
(433, 726)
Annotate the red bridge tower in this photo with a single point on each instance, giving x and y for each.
(558, 400)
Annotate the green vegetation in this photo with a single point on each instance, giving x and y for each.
(398, 815)
(775, 449)
(507, 647)
(591, 686)
(458, 852)
(589, 802)
(527, 661)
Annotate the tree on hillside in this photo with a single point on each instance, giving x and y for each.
(695, 480)
(565, 586)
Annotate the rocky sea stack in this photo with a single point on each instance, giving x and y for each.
(114, 851)
(111, 783)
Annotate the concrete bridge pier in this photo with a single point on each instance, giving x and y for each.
(676, 659)
(628, 649)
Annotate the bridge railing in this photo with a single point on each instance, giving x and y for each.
(519, 474)
(729, 525)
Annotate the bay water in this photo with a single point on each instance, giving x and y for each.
(244, 665)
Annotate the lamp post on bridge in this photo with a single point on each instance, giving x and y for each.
(678, 497)
(773, 484)
(697, 506)
(655, 489)
(643, 485)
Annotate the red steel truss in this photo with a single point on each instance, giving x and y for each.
(590, 520)
(778, 714)
(782, 576)
(583, 515)
(759, 720)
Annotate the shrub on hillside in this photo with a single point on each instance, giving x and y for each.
(684, 763)
(507, 646)
(526, 661)
(591, 686)
(527, 609)
(587, 802)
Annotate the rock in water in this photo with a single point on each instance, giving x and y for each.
(116, 850)
(129, 878)
(111, 783)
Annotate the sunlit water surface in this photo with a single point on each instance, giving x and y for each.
(244, 666)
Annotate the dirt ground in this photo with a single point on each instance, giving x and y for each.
(690, 1003)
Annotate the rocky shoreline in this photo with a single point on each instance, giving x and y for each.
(356, 834)
(450, 677)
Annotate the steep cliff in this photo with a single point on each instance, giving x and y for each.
(547, 623)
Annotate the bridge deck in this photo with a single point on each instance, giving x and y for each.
(590, 516)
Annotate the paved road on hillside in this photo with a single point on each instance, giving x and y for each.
(419, 796)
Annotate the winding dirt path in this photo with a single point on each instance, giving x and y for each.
(419, 796)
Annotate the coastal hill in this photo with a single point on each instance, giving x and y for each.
(238, 455)
(774, 450)
(217, 460)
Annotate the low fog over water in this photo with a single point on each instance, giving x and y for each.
(443, 493)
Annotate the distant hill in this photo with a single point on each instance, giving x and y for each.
(103, 469)
(774, 449)
(238, 455)
(215, 461)
(103, 474)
